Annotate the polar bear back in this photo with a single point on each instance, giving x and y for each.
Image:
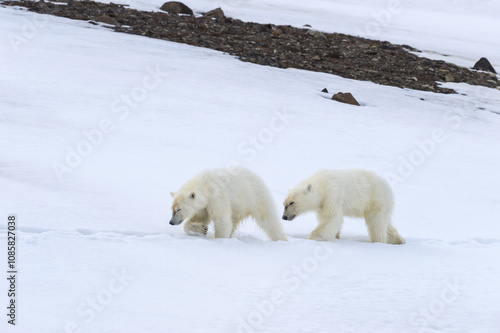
(353, 192)
(243, 190)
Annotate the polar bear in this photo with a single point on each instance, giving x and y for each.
(226, 197)
(333, 194)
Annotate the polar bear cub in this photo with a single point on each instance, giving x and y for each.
(226, 197)
(333, 194)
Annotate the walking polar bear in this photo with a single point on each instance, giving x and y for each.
(226, 197)
(333, 194)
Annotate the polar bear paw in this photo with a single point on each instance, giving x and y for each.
(196, 229)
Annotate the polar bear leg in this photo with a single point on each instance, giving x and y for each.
(198, 224)
(235, 224)
(272, 228)
(393, 237)
(328, 229)
(223, 226)
(377, 224)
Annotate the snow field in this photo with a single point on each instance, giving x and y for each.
(129, 119)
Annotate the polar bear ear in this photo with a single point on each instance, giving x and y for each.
(172, 194)
(192, 195)
(308, 188)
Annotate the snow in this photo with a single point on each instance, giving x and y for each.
(96, 253)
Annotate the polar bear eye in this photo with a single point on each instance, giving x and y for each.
(291, 203)
(178, 210)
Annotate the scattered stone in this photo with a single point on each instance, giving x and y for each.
(484, 65)
(276, 31)
(347, 98)
(105, 19)
(324, 90)
(266, 28)
(449, 78)
(176, 7)
(316, 34)
(216, 13)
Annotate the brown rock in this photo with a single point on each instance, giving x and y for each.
(449, 78)
(105, 19)
(484, 65)
(216, 13)
(347, 98)
(276, 31)
(175, 7)
(316, 34)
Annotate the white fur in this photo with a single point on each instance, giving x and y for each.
(333, 194)
(226, 197)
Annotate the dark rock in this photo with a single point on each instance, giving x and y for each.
(449, 78)
(347, 98)
(105, 19)
(175, 7)
(324, 90)
(484, 65)
(266, 28)
(276, 31)
(316, 34)
(216, 13)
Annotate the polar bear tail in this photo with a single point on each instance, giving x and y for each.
(393, 237)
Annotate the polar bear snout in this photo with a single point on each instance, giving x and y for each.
(290, 211)
(175, 220)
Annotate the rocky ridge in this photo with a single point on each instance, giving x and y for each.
(281, 46)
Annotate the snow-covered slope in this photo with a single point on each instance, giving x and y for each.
(96, 128)
(458, 31)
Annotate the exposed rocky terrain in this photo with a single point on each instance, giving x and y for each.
(278, 46)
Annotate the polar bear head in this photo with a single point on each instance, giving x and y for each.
(185, 205)
(300, 199)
